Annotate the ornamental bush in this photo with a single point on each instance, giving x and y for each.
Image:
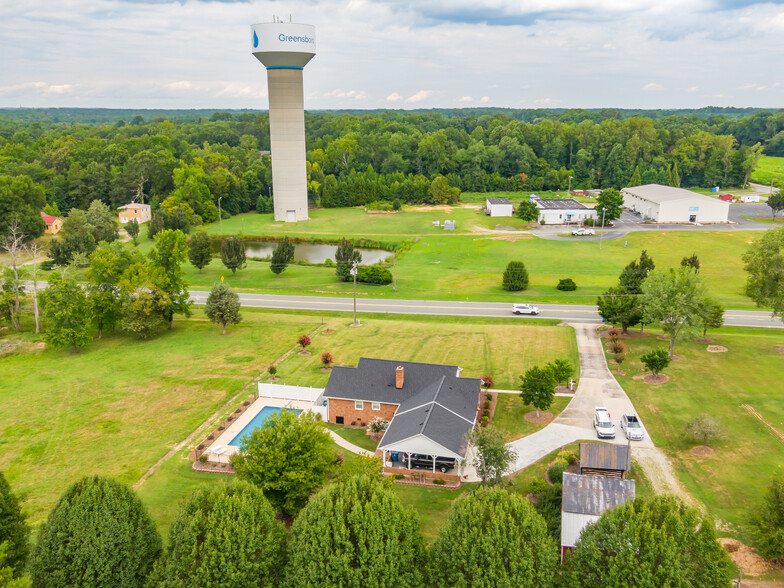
(327, 359)
(111, 539)
(656, 360)
(515, 277)
(223, 536)
(566, 285)
(555, 471)
(303, 341)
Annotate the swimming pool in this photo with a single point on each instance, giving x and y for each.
(257, 421)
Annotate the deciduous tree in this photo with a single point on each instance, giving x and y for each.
(611, 202)
(233, 253)
(355, 533)
(712, 316)
(493, 456)
(224, 536)
(649, 542)
(345, 257)
(66, 311)
(619, 307)
(527, 211)
(223, 306)
(693, 262)
(107, 265)
(561, 369)
(99, 534)
(776, 203)
(200, 250)
(538, 388)
(764, 263)
(13, 243)
(501, 539)
(144, 300)
(656, 360)
(288, 457)
(169, 253)
(132, 228)
(674, 300)
(703, 428)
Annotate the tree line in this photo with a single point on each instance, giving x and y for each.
(197, 166)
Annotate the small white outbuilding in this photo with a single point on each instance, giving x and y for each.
(665, 204)
(498, 207)
(563, 211)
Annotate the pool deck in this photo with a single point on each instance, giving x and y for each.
(246, 417)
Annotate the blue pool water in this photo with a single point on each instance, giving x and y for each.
(257, 421)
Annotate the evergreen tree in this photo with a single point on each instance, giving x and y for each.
(356, 534)
(156, 224)
(132, 228)
(675, 176)
(14, 532)
(223, 306)
(515, 277)
(233, 253)
(200, 250)
(345, 257)
(768, 520)
(66, 312)
(99, 534)
(692, 262)
(618, 307)
(223, 536)
(282, 256)
(636, 179)
(501, 541)
(635, 272)
(649, 542)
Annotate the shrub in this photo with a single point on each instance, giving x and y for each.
(488, 381)
(589, 222)
(489, 397)
(618, 347)
(515, 277)
(326, 359)
(656, 360)
(485, 421)
(272, 370)
(371, 274)
(396, 204)
(569, 456)
(221, 428)
(376, 425)
(399, 477)
(303, 341)
(439, 481)
(566, 285)
(555, 471)
(200, 446)
(210, 437)
(238, 411)
(488, 403)
(202, 458)
(613, 333)
(231, 418)
(246, 403)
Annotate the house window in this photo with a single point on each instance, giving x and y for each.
(359, 405)
(376, 406)
(339, 420)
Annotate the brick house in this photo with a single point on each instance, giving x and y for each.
(429, 407)
(133, 212)
(53, 223)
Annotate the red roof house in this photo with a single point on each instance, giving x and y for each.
(53, 223)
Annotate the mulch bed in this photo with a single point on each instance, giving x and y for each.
(544, 417)
(676, 357)
(212, 468)
(717, 349)
(195, 453)
(564, 390)
(449, 484)
(619, 372)
(327, 332)
(273, 379)
(700, 450)
(657, 379)
(705, 341)
(779, 349)
(325, 369)
(304, 353)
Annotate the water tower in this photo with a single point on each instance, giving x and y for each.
(285, 48)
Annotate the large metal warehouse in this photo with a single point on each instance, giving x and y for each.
(665, 204)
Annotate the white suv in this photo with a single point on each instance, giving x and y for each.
(583, 232)
(603, 423)
(525, 309)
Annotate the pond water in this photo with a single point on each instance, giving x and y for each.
(314, 252)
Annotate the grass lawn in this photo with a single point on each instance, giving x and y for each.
(733, 480)
(357, 436)
(768, 168)
(120, 404)
(510, 415)
(766, 220)
(517, 197)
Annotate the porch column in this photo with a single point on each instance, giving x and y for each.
(434, 463)
(409, 460)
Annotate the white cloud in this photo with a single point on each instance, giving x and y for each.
(394, 97)
(338, 93)
(419, 96)
(652, 87)
(484, 100)
(465, 99)
(181, 85)
(692, 89)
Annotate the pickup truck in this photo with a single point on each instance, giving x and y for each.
(583, 232)
(418, 460)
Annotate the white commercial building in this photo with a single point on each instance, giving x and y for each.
(665, 204)
(285, 48)
(563, 211)
(498, 207)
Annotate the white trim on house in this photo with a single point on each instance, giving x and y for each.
(359, 405)
(375, 406)
(420, 444)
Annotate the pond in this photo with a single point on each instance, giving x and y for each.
(314, 252)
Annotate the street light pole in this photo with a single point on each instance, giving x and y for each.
(354, 272)
(601, 231)
(220, 215)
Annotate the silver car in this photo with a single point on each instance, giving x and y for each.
(632, 427)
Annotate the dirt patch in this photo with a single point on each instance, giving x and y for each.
(4, 347)
(273, 379)
(544, 417)
(326, 370)
(662, 338)
(657, 379)
(779, 349)
(717, 349)
(619, 372)
(676, 357)
(701, 451)
(705, 341)
(512, 238)
(304, 353)
(327, 332)
(652, 408)
(744, 557)
(40, 345)
(444, 209)
(563, 390)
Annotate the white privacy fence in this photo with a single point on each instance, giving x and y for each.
(290, 392)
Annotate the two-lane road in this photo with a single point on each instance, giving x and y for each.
(564, 312)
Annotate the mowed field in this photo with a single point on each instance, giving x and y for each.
(769, 169)
(120, 405)
(732, 481)
(460, 266)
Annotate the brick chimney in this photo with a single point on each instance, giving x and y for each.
(399, 371)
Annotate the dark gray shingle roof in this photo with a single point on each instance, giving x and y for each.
(593, 495)
(498, 201)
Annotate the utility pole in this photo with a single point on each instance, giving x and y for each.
(569, 191)
(354, 272)
(394, 271)
(601, 231)
(220, 216)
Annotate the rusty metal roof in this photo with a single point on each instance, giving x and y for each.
(593, 495)
(604, 456)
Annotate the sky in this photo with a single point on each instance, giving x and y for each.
(397, 54)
